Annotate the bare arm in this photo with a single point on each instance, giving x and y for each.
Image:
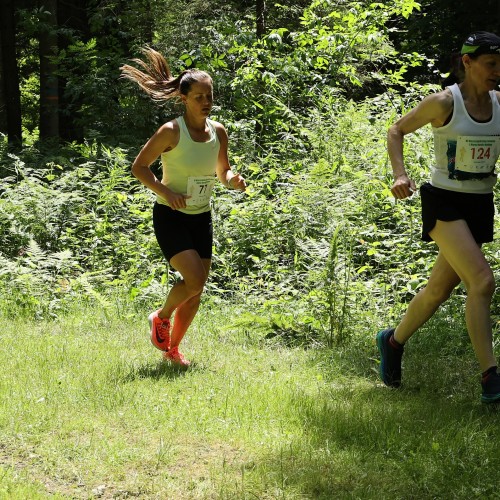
(224, 172)
(165, 139)
(434, 109)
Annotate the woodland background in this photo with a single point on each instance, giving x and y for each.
(306, 91)
(283, 398)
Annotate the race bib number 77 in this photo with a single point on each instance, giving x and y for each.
(199, 189)
(477, 154)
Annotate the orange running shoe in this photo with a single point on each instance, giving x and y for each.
(160, 331)
(176, 358)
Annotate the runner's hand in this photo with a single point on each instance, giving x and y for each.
(403, 187)
(175, 200)
(237, 182)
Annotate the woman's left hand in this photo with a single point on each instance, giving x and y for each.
(237, 182)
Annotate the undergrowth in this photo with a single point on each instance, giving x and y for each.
(317, 247)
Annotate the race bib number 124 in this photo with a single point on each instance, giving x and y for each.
(477, 154)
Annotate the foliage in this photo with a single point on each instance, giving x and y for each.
(278, 78)
(437, 30)
(343, 44)
(322, 232)
(318, 227)
(65, 229)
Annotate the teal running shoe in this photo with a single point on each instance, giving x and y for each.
(390, 358)
(491, 388)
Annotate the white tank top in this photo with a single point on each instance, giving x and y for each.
(465, 150)
(190, 168)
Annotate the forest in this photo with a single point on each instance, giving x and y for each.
(309, 262)
(300, 88)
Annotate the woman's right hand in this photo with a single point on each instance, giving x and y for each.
(175, 200)
(403, 187)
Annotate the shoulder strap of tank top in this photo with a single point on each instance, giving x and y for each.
(213, 130)
(182, 125)
(458, 102)
(495, 103)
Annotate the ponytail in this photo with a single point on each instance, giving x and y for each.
(457, 71)
(156, 79)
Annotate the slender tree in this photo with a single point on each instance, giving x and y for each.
(260, 25)
(261, 18)
(73, 23)
(11, 92)
(3, 104)
(49, 95)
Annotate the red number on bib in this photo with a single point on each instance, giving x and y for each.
(482, 153)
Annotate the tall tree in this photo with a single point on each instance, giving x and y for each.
(73, 22)
(3, 112)
(49, 95)
(260, 31)
(261, 18)
(11, 92)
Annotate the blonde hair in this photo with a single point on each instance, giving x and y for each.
(156, 79)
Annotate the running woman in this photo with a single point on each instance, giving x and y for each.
(457, 204)
(193, 151)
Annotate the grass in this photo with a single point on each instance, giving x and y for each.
(89, 410)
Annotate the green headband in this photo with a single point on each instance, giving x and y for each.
(480, 49)
(469, 49)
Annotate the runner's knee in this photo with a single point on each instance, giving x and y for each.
(482, 285)
(195, 285)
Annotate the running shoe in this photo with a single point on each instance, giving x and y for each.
(390, 358)
(160, 331)
(491, 388)
(176, 358)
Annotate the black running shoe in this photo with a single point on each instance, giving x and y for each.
(390, 359)
(491, 388)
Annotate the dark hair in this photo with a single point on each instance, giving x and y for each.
(457, 70)
(156, 79)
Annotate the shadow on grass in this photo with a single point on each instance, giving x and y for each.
(360, 439)
(160, 370)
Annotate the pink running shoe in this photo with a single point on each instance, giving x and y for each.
(160, 331)
(176, 358)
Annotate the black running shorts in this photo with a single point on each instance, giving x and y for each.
(177, 231)
(441, 204)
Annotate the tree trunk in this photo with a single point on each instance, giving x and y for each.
(261, 18)
(11, 91)
(72, 16)
(3, 103)
(49, 96)
(260, 32)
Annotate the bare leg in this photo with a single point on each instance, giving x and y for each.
(184, 297)
(465, 256)
(185, 314)
(442, 281)
(460, 258)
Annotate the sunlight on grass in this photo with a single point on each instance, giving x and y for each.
(91, 409)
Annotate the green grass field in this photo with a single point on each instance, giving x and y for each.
(89, 410)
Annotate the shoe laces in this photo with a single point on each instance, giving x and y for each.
(163, 328)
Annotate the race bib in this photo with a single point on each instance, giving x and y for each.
(477, 154)
(199, 189)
